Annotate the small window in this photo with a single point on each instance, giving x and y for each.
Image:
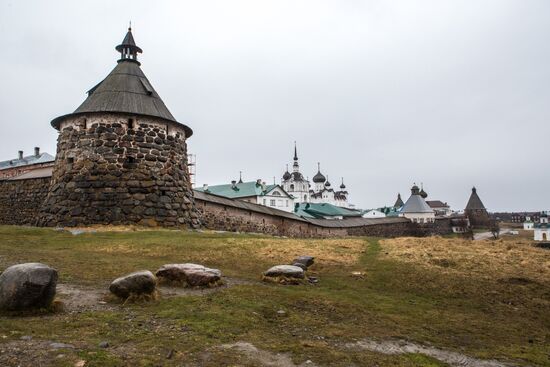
(130, 123)
(163, 192)
(272, 202)
(130, 160)
(85, 124)
(70, 160)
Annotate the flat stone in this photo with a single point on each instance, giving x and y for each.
(139, 282)
(61, 346)
(194, 275)
(27, 286)
(289, 271)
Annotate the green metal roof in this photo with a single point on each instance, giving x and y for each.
(316, 210)
(240, 190)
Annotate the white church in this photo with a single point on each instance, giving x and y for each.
(322, 191)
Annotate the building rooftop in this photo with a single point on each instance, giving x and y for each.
(436, 204)
(416, 203)
(27, 161)
(322, 210)
(474, 203)
(239, 190)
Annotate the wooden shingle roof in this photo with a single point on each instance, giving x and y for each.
(125, 90)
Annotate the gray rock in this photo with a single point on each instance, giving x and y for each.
(137, 283)
(306, 260)
(27, 286)
(289, 271)
(104, 344)
(194, 275)
(61, 346)
(300, 265)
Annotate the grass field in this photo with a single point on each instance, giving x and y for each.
(485, 299)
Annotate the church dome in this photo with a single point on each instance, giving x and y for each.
(423, 194)
(342, 186)
(286, 176)
(319, 178)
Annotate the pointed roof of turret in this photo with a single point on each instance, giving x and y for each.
(415, 203)
(125, 90)
(399, 202)
(474, 203)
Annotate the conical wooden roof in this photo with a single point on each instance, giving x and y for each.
(125, 90)
(474, 203)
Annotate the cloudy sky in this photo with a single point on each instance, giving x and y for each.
(384, 93)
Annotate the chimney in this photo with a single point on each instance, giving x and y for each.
(37, 152)
(20, 155)
(205, 187)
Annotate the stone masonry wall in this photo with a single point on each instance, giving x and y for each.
(21, 200)
(116, 169)
(227, 218)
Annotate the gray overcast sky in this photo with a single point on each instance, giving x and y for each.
(384, 93)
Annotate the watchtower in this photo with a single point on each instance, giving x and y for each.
(121, 156)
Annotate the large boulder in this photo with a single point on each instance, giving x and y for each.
(287, 271)
(194, 275)
(137, 283)
(307, 261)
(27, 286)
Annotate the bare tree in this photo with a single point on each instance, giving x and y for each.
(495, 229)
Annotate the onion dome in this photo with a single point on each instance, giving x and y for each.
(327, 183)
(415, 190)
(319, 178)
(423, 193)
(342, 186)
(286, 175)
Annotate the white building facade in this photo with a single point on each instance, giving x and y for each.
(322, 191)
(542, 229)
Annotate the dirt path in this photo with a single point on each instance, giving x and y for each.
(263, 357)
(402, 347)
(79, 298)
(489, 235)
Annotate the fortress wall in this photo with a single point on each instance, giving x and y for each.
(21, 200)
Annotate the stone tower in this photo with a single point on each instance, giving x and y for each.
(476, 211)
(121, 156)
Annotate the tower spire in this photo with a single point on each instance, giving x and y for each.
(295, 166)
(240, 177)
(128, 49)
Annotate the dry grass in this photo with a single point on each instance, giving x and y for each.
(327, 251)
(488, 259)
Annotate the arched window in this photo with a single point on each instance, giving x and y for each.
(292, 187)
(276, 193)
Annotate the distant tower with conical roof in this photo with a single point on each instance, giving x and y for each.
(121, 156)
(476, 211)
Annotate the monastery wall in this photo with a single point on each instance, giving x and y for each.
(21, 200)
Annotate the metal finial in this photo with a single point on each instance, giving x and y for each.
(130, 26)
